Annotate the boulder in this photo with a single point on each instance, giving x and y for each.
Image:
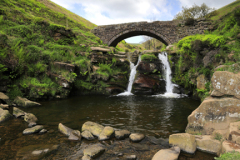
(4, 106)
(136, 137)
(94, 151)
(185, 141)
(233, 133)
(32, 130)
(29, 117)
(3, 97)
(122, 134)
(213, 114)
(228, 146)
(92, 127)
(205, 143)
(23, 102)
(64, 129)
(100, 49)
(87, 135)
(167, 154)
(18, 112)
(216, 93)
(4, 115)
(226, 83)
(75, 135)
(106, 134)
(201, 80)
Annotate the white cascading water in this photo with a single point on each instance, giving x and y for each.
(131, 77)
(167, 69)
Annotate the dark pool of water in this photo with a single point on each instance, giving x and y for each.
(153, 116)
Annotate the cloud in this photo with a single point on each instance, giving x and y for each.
(211, 3)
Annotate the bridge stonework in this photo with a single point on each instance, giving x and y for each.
(167, 32)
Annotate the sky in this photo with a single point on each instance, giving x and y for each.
(105, 12)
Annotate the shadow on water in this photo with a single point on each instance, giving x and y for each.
(153, 116)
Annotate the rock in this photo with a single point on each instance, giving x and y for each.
(4, 106)
(185, 141)
(67, 66)
(32, 124)
(122, 134)
(176, 89)
(3, 97)
(228, 146)
(216, 93)
(233, 133)
(23, 102)
(106, 134)
(136, 137)
(201, 80)
(213, 114)
(75, 135)
(64, 129)
(169, 47)
(159, 141)
(100, 49)
(32, 130)
(227, 83)
(38, 151)
(94, 151)
(207, 144)
(43, 131)
(4, 115)
(131, 157)
(87, 135)
(18, 112)
(86, 157)
(29, 117)
(92, 127)
(209, 58)
(167, 154)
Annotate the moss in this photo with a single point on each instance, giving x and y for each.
(148, 57)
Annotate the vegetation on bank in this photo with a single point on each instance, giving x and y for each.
(229, 156)
(200, 54)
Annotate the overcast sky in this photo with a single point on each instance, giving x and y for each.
(104, 12)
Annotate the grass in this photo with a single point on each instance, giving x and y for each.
(229, 156)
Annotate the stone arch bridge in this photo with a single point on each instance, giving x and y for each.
(168, 32)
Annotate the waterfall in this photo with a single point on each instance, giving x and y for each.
(167, 71)
(133, 69)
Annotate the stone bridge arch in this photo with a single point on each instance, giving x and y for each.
(167, 32)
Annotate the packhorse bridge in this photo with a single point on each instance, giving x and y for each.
(168, 32)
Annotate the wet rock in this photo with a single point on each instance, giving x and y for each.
(86, 157)
(4, 106)
(92, 127)
(159, 141)
(94, 151)
(176, 89)
(32, 130)
(207, 144)
(75, 135)
(87, 135)
(36, 151)
(136, 137)
(43, 131)
(228, 146)
(167, 154)
(226, 83)
(18, 112)
(29, 117)
(185, 141)
(64, 129)
(32, 124)
(4, 115)
(122, 134)
(213, 114)
(106, 134)
(23, 102)
(131, 157)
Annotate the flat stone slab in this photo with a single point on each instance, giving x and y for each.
(100, 49)
(94, 151)
(207, 144)
(185, 141)
(106, 134)
(87, 135)
(4, 115)
(92, 127)
(32, 130)
(136, 137)
(167, 154)
(122, 134)
(18, 112)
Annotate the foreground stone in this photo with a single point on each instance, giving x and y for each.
(94, 151)
(167, 154)
(136, 137)
(72, 134)
(4, 106)
(122, 134)
(86, 157)
(106, 134)
(18, 112)
(30, 118)
(75, 135)
(24, 102)
(228, 146)
(185, 141)
(4, 115)
(32, 130)
(3, 97)
(233, 133)
(87, 135)
(92, 127)
(213, 114)
(207, 144)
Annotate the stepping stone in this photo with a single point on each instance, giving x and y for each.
(167, 154)
(18, 112)
(122, 134)
(32, 130)
(94, 151)
(87, 135)
(106, 133)
(136, 137)
(4, 115)
(92, 127)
